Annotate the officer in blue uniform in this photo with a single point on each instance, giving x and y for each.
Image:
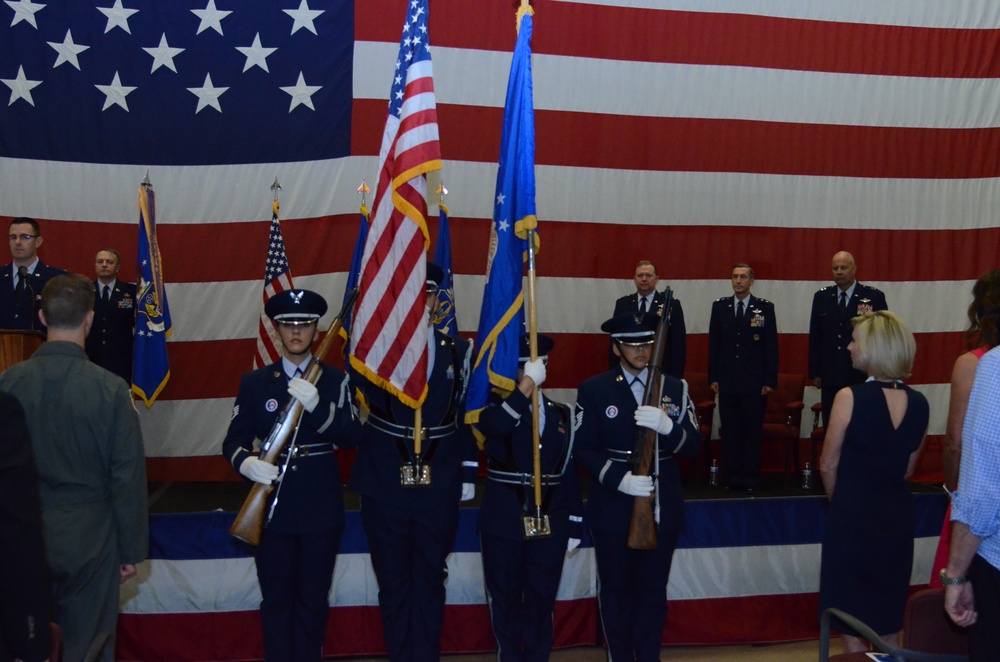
(522, 573)
(633, 583)
(830, 329)
(411, 528)
(742, 369)
(21, 298)
(646, 299)
(298, 547)
(112, 336)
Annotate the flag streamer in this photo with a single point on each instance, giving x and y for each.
(150, 367)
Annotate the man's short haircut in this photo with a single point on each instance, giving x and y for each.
(647, 263)
(30, 221)
(744, 265)
(66, 300)
(886, 345)
(117, 255)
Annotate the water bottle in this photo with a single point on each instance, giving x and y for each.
(807, 477)
(713, 474)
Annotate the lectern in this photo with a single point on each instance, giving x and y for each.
(17, 345)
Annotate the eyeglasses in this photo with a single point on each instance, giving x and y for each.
(22, 237)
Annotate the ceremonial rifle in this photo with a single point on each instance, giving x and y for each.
(642, 528)
(249, 521)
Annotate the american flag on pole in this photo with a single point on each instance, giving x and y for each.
(390, 324)
(277, 278)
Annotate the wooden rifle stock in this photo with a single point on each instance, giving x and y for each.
(249, 523)
(642, 528)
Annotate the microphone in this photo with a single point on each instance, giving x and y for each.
(22, 273)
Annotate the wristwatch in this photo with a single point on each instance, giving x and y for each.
(951, 581)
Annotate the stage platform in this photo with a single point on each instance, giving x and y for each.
(746, 571)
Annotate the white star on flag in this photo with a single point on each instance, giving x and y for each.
(115, 93)
(117, 16)
(24, 11)
(67, 51)
(500, 199)
(503, 225)
(301, 93)
(208, 94)
(20, 87)
(303, 17)
(256, 54)
(163, 55)
(210, 17)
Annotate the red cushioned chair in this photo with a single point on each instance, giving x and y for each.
(928, 634)
(704, 404)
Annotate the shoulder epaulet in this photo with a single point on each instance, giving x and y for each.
(870, 287)
(763, 300)
(722, 299)
(826, 289)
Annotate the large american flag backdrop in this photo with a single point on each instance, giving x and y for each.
(692, 133)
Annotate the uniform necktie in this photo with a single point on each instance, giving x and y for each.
(22, 273)
(739, 312)
(642, 305)
(843, 301)
(106, 295)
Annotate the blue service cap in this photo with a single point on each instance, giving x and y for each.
(632, 328)
(295, 306)
(435, 276)
(545, 345)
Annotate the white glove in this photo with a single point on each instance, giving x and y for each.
(632, 485)
(572, 544)
(653, 418)
(535, 370)
(468, 491)
(304, 392)
(259, 471)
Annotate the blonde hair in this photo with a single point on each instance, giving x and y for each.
(886, 345)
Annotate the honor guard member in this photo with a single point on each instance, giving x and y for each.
(632, 583)
(646, 299)
(298, 546)
(111, 339)
(742, 369)
(830, 329)
(521, 568)
(22, 281)
(409, 504)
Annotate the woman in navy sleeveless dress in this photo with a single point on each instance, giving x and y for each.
(875, 435)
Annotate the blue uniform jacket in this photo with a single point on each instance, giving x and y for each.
(743, 357)
(18, 314)
(830, 332)
(676, 353)
(112, 336)
(605, 409)
(456, 457)
(506, 423)
(310, 497)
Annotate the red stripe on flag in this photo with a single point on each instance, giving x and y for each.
(708, 38)
(686, 144)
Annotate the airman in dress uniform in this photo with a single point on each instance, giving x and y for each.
(633, 583)
(298, 547)
(742, 369)
(112, 337)
(521, 568)
(830, 329)
(411, 525)
(646, 299)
